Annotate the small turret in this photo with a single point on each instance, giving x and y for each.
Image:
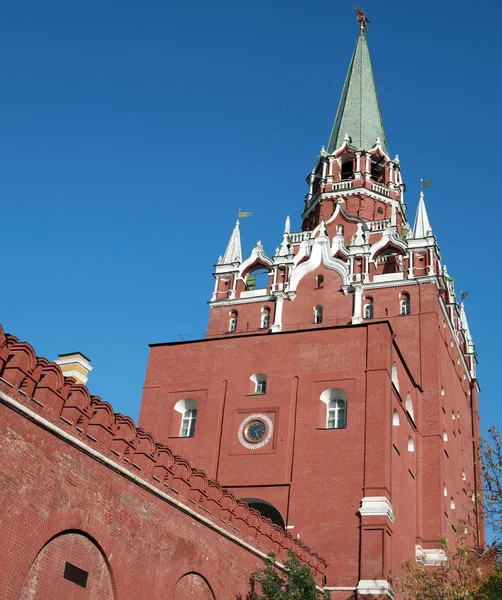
(422, 227)
(233, 253)
(75, 365)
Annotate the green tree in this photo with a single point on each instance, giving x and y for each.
(491, 449)
(295, 582)
(464, 574)
(492, 588)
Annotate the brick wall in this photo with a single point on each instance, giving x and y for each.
(84, 486)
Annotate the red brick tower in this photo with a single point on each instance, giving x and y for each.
(336, 388)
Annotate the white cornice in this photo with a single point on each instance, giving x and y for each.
(430, 557)
(267, 298)
(376, 506)
(401, 282)
(375, 587)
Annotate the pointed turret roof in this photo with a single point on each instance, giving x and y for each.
(422, 227)
(359, 113)
(233, 252)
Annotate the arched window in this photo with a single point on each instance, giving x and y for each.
(394, 377)
(188, 409)
(445, 490)
(339, 230)
(347, 168)
(411, 445)
(265, 317)
(336, 408)
(452, 503)
(395, 418)
(445, 436)
(377, 169)
(368, 308)
(260, 383)
(318, 314)
(232, 324)
(409, 406)
(404, 304)
(464, 476)
(320, 281)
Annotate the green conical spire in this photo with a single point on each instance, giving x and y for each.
(359, 113)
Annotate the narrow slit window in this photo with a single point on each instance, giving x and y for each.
(404, 305)
(265, 318)
(232, 324)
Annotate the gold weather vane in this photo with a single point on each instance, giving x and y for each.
(362, 18)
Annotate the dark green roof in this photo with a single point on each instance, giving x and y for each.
(359, 113)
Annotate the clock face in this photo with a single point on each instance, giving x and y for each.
(255, 431)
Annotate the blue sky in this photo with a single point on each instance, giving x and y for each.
(133, 131)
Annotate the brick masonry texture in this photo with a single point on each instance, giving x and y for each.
(63, 503)
(316, 477)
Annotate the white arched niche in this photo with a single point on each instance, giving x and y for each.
(394, 377)
(409, 406)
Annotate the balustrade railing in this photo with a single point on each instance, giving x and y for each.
(301, 236)
(378, 225)
(380, 189)
(343, 185)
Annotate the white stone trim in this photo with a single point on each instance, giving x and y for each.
(388, 277)
(377, 506)
(357, 310)
(320, 254)
(400, 283)
(254, 293)
(388, 237)
(80, 377)
(375, 587)
(72, 359)
(279, 304)
(229, 302)
(430, 557)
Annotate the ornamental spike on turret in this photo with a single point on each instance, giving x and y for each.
(422, 227)
(233, 253)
